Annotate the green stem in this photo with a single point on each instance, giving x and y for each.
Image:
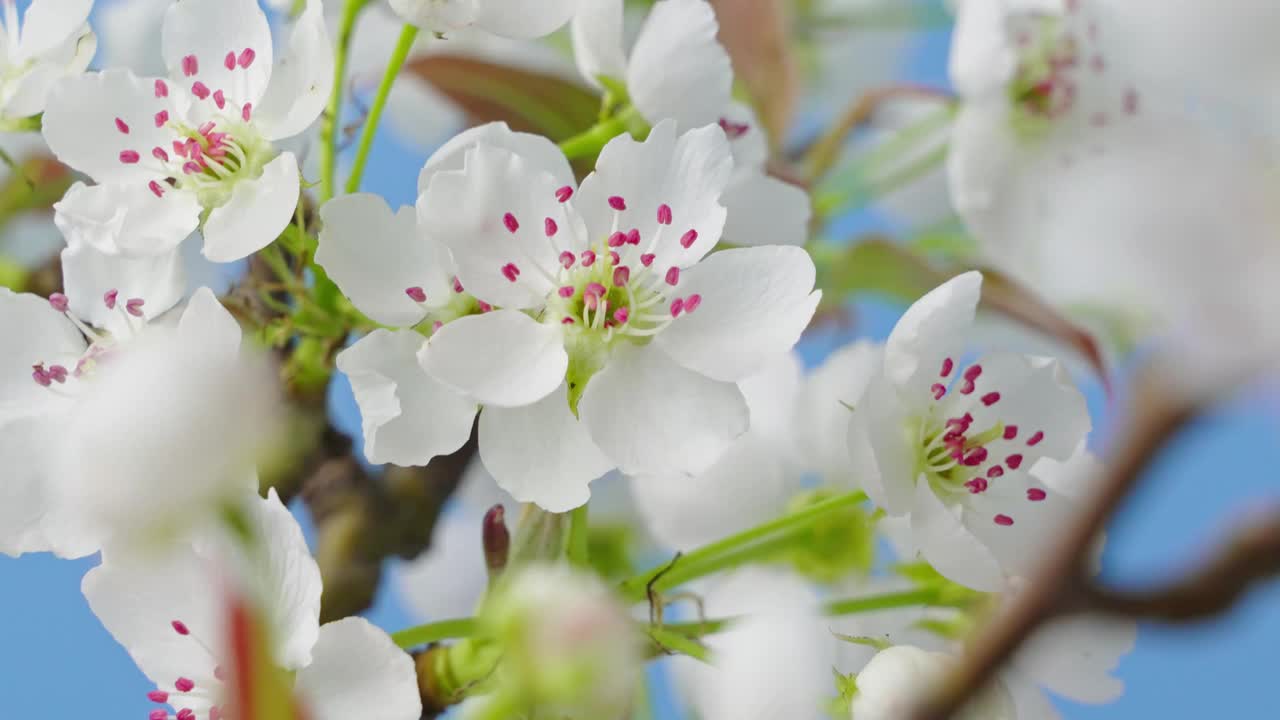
(434, 632)
(591, 141)
(579, 554)
(871, 603)
(333, 113)
(398, 57)
(667, 641)
(703, 558)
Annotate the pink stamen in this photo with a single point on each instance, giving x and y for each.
(122, 126)
(566, 291)
(614, 258)
(991, 398)
(184, 685)
(59, 302)
(966, 387)
(591, 302)
(180, 627)
(133, 306)
(664, 214)
(510, 271)
(947, 366)
(246, 112)
(155, 188)
(1010, 432)
(1013, 461)
(162, 117)
(219, 99)
(416, 294)
(617, 203)
(200, 90)
(484, 306)
(567, 321)
(190, 65)
(617, 240)
(938, 390)
(688, 239)
(647, 259)
(190, 167)
(159, 154)
(549, 227)
(564, 193)
(1004, 520)
(594, 289)
(109, 298)
(509, 220)
(692, 302)
(972, 372)
(633, 237)
(58, 373)
(457, 285)
(567, 259)
(677, 307)
(621, 276)
(673, 276)
(247, 57)
(1035, 439)
(977, 485)
(976, 457)
(42, 378)
(158, 715)
(1036, 494)
(158, 696)
(180, 147)
(230, 60)
(995, 471)
(129, 157)
(162, 89)
(186, 714)
(588, 258)
(621, 315)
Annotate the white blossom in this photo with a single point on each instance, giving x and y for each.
(511, 18)
(52, 41)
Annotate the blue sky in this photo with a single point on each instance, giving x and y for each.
(57, 662)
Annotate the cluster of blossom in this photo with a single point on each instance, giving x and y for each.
(634, 327)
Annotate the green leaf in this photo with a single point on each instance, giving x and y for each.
(879, 266)
(527, 101)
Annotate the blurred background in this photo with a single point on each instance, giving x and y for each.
(56, 661)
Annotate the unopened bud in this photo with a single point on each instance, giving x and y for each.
(497, 541)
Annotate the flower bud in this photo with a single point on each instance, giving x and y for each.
(497, 541)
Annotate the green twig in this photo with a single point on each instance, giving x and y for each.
(398, 56)
(579, 554)
(329, 123)
(434, 632)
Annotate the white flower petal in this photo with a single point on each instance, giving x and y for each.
(492, 216)
(890, 686)
(88, 274)
(359, 673)
(524, 18)
(437, 15)
(538, 152)
(503, 358)
(258, 211)
(130, 31)
(950, 547)
(982, 58)
(650, 415)
(1074, 657)
(34, 333)
(375, 256)
(125, 218)
(931, 329)
(748, 485)
(207, 324)
(407, 416)
(50, 23)
(755, 304)
(678, 69)
(823, 416)
(771, 397)
(882, 460)
(687, 173)
(301, 81)
(541, 453)
(766, 211)
(596, 30)
(26, 505)
(207, 30)
(80, 123)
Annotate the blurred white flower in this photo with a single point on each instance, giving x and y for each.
(51, 42)
(168, 611)
(894, 680)
(511, 18)
(953, 445)
(677, 70)
(202, 140)
(604, 300)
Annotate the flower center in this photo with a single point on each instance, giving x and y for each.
(189, 692)
(54, 373)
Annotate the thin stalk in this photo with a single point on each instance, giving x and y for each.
(332, 114)
(592, 140)
(434, 632)
(398, 57)
(579, 554)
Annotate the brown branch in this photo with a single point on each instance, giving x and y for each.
(1161, 411)
(1250, 557)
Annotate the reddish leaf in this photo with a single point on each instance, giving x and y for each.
(756, 34)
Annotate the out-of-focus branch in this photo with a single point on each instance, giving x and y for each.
(1251, 556)
(1057, 588)
(825, 151)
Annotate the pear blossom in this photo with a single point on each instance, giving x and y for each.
(891, 684)
(167, 611)
(774, 662)
(953, 445)
(510, 18)
(51, 42)
(677, 70)
(201, 141)
(617, 336)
